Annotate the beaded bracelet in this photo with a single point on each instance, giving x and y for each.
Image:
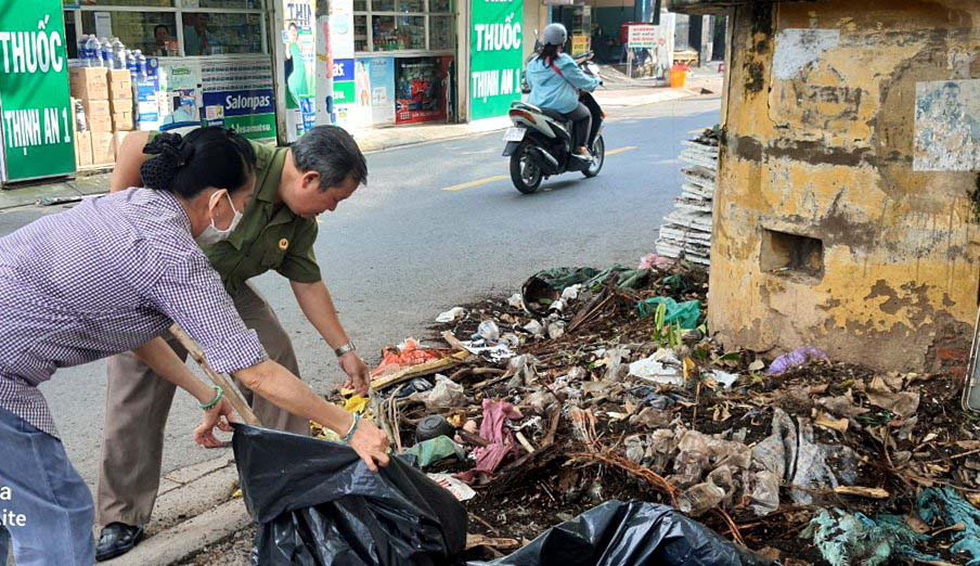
(220, 394)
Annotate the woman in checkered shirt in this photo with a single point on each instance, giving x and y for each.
(111, 275)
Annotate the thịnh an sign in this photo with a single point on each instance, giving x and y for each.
(36, 118)
(496, 63)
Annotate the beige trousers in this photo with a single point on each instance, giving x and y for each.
(137, 405)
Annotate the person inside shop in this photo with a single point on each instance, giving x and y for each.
(555, 80)
(276, 233)
(196, 40)
(162, 41)
(111, 275)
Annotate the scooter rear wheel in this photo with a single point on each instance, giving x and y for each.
(598, 157)
(525, 172)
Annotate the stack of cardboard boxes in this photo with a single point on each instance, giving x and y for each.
(107, 97)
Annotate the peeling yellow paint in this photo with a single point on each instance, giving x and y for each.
(827, 154)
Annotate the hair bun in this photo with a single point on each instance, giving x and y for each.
(168, 151)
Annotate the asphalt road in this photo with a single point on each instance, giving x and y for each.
(404, 248)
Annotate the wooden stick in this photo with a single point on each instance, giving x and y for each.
(417, 370)
(232, 393)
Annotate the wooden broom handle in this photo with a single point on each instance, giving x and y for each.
(232, 393)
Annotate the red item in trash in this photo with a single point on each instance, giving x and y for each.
(408, 353)
(501, 439)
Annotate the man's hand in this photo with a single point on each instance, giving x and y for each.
(371, 444)
(204, 433)
(358, 374)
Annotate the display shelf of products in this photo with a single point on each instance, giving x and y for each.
(394, 33)
(360, 33)
(441, 35)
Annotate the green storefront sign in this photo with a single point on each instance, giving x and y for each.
(495, 57)
(36, 119)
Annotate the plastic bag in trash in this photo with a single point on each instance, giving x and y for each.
(316, 502)
(685, 314)
(635, 533)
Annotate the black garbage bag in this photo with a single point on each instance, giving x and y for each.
(316, 502)
(635, 533)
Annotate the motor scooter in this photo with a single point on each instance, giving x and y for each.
(540, 142)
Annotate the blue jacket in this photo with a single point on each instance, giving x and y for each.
(554, 91)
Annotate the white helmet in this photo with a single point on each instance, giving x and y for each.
(555, 34)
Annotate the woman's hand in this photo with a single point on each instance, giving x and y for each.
(221, 415)
(371, 444)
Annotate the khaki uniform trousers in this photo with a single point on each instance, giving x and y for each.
(137, 405)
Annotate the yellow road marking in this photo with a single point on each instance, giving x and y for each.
(481, 182)
(621, 150)
(477, 183)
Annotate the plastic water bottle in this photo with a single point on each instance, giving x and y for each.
(141, 64)
(105, 52)
(82, 40)
(93, 57)
(132, 65)
(118, 54)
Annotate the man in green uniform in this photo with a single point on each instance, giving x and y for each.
(277, 232)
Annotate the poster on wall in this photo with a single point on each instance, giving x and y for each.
(420, 90)
(238, 94)
(180, 83)
(343, 91)
(341, 14)
(381, 81)
(299, 51)
(496, 64)
(38, 121)
(947, 126)
(235, 93)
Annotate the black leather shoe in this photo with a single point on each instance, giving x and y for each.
(117, 539)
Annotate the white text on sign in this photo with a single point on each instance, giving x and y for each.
(36, 127)
(31, 51)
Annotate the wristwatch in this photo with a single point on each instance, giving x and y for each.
(348, 347)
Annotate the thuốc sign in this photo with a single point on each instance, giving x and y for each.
(36, 119)
(496, 61)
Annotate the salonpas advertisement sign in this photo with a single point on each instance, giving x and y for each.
(35, 115)
(495, 56)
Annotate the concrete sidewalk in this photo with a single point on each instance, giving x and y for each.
(369, 139)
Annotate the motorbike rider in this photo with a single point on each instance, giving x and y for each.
(555, 80)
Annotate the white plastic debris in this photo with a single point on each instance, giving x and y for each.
(724, 378)
(493, 353)
(458, 488)
(516, 301)
(446, 394)
(571, 293)
(489, 331)
(535, 328)
(662, 367)
(451, 315)
(556, 329)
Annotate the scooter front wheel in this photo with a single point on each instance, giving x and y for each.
(525, 171)
(598, 157)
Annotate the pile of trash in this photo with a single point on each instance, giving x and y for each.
(590, 386)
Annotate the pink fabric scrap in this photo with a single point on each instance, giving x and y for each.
(501, 439)
(654, 261)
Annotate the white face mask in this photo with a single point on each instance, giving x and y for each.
(211, 234)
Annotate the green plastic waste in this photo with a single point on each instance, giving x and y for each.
(845, 538)
(945, 507)
(685, 314)
(436, 449)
